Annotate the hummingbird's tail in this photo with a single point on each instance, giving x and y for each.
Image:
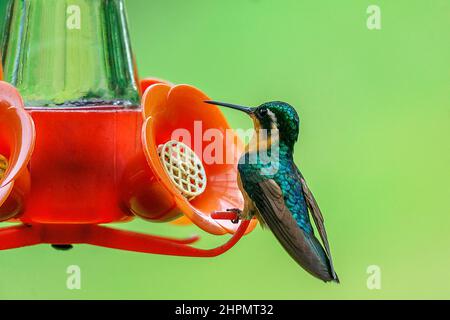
(320, 265)
(301, 245)
(304, 248)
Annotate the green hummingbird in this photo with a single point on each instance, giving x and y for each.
(276, 192)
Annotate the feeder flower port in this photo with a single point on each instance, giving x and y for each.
(92, 150)
(17, 136)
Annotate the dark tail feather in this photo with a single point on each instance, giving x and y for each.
(323, 268)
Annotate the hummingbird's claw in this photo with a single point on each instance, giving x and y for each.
(238, 213)
(233, 214)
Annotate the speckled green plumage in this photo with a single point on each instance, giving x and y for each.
(286, 176)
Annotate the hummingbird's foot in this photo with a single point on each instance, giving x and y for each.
(238, 213)
(234, 215)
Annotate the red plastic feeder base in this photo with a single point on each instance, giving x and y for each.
(29, 235)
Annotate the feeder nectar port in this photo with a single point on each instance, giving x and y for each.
(184, 168)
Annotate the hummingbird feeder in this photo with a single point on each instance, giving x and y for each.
(85, 143)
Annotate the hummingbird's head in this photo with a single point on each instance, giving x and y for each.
(276, 115)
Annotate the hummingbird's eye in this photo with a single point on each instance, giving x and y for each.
(263, 112)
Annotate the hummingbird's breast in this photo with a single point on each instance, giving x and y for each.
(253, 169)
(250, 208)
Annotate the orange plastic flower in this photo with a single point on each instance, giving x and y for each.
(168, 109)
(17, 137)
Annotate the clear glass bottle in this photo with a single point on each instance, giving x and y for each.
(61, 53)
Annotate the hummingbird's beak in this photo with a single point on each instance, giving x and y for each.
(247, 110)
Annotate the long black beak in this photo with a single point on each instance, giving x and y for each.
(247, 110)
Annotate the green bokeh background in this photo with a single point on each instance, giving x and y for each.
(375, 112)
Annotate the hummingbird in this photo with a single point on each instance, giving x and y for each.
(276, 193)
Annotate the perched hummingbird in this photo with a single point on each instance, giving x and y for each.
(276, 193)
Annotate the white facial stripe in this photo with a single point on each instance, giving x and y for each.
(273, 117)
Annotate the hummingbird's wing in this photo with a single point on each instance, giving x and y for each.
(318, 219)
(303, 247)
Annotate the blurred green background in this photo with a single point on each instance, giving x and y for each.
(374, 146)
